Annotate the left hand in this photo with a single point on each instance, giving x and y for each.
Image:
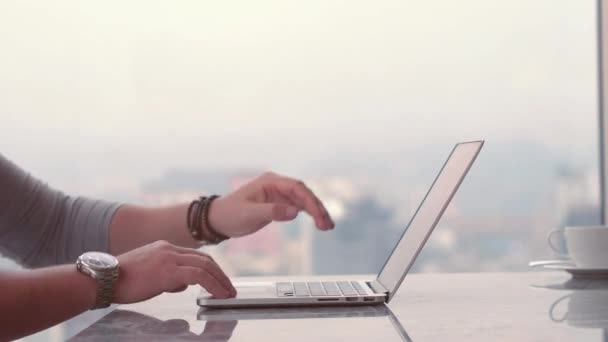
(268, 198)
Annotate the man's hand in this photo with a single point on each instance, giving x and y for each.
(268, 198)
(162, 267)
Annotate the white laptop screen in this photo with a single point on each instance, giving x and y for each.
(428, 214)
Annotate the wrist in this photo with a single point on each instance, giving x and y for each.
(215, 216)
(86, 288)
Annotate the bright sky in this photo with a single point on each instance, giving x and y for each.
(118, 90)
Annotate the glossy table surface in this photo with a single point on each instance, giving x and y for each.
(534, 306)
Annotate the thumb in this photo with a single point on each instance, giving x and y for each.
(277, 211)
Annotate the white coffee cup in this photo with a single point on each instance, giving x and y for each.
(587, 245)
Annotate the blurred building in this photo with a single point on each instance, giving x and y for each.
(577, 196)
(365, 231)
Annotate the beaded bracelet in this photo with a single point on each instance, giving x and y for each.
(198, 221)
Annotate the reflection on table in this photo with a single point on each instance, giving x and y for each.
(586, 306)
(525, 306)
(220, 324)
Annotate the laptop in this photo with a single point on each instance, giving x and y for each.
(357, 291)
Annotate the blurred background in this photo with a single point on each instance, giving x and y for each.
(155, 102)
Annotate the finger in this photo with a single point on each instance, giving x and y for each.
(180, 288)
(278, 194)
(206, 263)
(273, 196)
(197, 252)
(194, 275)
(193, 251)
(299, 193)
(268, 212)
(282, 213)
(314, 198)
(188, 250)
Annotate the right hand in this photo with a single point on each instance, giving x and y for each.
(160, 267)
(270, 197)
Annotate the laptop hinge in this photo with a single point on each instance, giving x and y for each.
(377, 287)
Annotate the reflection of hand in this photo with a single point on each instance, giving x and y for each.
(268, 198)
(128, 325)
(162, 267)
(218, 330)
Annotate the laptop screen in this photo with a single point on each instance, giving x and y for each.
(428, 214)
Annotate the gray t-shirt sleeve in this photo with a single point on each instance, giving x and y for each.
(40, 226)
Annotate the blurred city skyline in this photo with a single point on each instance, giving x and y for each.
(153, 102)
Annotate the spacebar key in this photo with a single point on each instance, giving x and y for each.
(301, 289)
(316, 289)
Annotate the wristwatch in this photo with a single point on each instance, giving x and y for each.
(103, 268)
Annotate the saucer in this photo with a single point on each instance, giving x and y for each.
(570, 267)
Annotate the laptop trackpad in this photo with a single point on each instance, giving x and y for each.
(255, 289)
(250, 290)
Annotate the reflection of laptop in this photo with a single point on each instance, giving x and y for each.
(358, 292)
(225, 320)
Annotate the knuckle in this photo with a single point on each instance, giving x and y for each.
(268, 174)
(163, 244)
(166, 258)
(198, 273)
(207, 263)
(209, 257)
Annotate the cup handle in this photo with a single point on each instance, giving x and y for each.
(550, 242)
(553, 307)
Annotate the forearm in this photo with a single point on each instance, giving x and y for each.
(34, 300)
(268, 198)
(134, 226)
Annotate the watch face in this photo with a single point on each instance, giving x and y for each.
(99, 261)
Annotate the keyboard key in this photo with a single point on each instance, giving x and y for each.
(331, 288)
(301, 289)
(284, 290)
(316, 289)
(359, 288)
(346, 288)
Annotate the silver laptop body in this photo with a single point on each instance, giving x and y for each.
(360, 292)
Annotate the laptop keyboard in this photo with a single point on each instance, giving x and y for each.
(315, 288)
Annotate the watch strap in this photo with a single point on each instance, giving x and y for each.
(105, 289)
